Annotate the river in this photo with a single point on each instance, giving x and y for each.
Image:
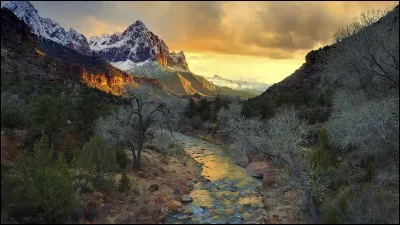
(228, 196)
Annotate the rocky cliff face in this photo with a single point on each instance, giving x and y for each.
(45, 60)
(47, 28)
(135, 45)
(134, 49)
(177, 61)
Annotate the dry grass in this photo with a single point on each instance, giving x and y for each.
(140, 205)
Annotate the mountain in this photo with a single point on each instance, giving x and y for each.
(44, 60)
(47, 28)
(136, 44)
(255, 88)
(379, 41)
(137, 51)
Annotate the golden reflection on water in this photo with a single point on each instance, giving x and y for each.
(223, 194)
(202, 197)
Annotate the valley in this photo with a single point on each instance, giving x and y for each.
(117, 127)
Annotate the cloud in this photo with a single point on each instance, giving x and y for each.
(291, 26)
(277, 30)
(94, 26)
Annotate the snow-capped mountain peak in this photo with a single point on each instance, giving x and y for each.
(47, 28)
(136, 45)
(249, 86)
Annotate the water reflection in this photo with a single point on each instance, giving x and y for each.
(228, 197)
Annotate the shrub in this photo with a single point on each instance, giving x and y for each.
(322, 156)
(185, 160)
(370, 172)
(11, 117)
(368, 126)
(314, 115)
(10, 134)
(176, 149)
(49, 114)
(162, 141)
(122, 159)
(124, 183)
(191, 108)
(363, 204)
(69, 150)
(95, 157)
(47, 183)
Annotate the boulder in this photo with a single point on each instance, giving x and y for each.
(173, 205)
(257, 169)
(186, 198)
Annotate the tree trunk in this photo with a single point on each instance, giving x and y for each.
(313, 211)
(137, 164)
(133, 157)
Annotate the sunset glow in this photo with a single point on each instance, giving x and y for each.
(259, 41)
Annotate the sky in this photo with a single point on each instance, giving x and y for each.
(256, 41)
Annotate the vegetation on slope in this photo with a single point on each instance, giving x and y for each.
(351, 171)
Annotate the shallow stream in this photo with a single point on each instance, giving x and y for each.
(229, 195)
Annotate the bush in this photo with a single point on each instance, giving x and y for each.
(259, 107)
(122, 159)
(319, 183)
(322, 156)
(10, 134)
(11, 117)
(368, 126)
(47, 183)
(49, 114)
(176, 149)
(165, 143)
(363, 204)
(95, 157)
(370, 172)
(124, 183)
(314, 115)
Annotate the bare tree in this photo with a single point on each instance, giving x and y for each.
(247, 134)
(281, 137)
(364, 125)
(286, 135)
(369, 62)
(130, 125)
(366, 18)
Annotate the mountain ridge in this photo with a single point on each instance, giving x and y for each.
(47, 28)
(255, 88)
(134, 49)
(50, 61)
(304, 85)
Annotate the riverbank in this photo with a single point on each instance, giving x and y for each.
(227, 194)
(156, 190)
(282, 203)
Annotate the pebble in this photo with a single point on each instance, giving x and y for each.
(186, 198)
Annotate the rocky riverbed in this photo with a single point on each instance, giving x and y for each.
(225, 193)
